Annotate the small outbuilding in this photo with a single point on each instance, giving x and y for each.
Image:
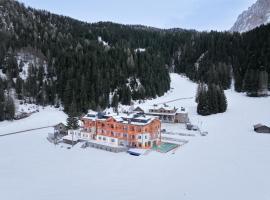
(138, 109)
(260, 128)
(60, 129)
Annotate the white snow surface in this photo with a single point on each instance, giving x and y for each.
(231, 162)
(140, 50)
(47, 116)
(2, 75)
(29, 59)
(100, 40)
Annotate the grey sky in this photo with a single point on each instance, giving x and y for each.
(190, 14)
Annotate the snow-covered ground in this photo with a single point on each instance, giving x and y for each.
(45, 117)
(231, 162)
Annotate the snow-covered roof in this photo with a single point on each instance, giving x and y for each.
(92, 115)
(163, 106)
(259, 125)
(133, 118)
(166, 108)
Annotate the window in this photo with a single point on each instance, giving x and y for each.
(99, 138)
(104, 139)
(139, 137)
(112, 140)
(145, 137)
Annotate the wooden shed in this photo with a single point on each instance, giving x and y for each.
(138, 109)
(260, 128)
(60, 129)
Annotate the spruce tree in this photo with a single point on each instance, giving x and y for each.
(251, 82)
(9, 108)
(213, 99)
(2, 94)
(115, 101)
(2, 111)
(19, 88)
(2, 104)
(72, 120)
(126, 96)
(203, 104)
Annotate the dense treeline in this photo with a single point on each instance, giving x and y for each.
(219, 57)
(82, 71)
(80, 68)
(211, 99)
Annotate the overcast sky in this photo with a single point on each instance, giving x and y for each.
(190, 14)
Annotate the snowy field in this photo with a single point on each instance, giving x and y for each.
(231, 162)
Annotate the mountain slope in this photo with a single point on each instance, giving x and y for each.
(84, 65)
(258, 14)
(81, 69)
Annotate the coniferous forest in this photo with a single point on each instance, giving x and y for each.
(81, 65)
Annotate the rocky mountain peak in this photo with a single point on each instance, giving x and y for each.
(258, 14)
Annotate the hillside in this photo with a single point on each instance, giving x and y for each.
(80, 65)
(232, 162)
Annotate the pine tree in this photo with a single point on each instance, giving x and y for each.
(126, 96)
(251, 81)
(203, 104)
(72, 120)
(212, 96)
(263, 83)
(2, 94)
(2, 104)
(19, 87)
(9, 108)
(2, 111)
(115, 101)
(211, 100)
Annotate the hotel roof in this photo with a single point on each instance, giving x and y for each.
(134, 118)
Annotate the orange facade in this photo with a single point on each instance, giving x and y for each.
(127, 134)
